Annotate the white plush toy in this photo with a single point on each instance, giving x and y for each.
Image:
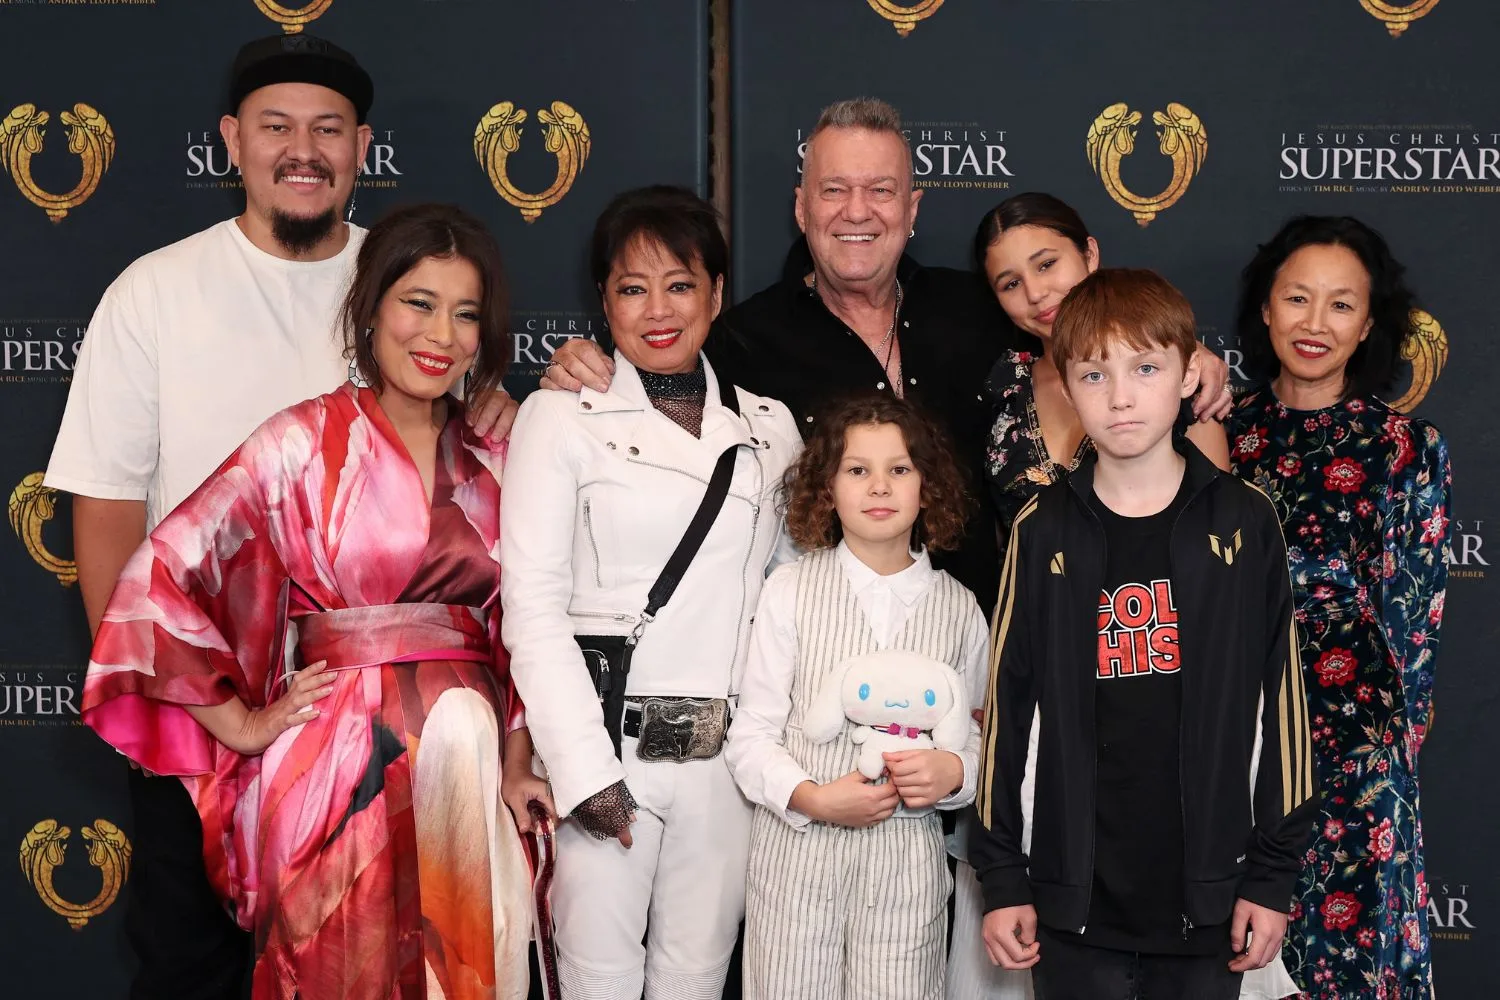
(895, 699)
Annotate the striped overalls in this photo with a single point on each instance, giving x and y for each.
(834, 912)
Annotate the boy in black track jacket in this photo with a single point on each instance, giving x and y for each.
(1144, 640)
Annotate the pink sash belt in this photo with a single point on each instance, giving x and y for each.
(353, 638)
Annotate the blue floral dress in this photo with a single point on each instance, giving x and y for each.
(1363, 493)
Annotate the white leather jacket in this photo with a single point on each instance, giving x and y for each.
(598, 490)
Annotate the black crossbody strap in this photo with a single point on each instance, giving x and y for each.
(703, 518)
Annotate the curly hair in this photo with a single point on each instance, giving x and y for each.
(808, 497)
(1373, 366)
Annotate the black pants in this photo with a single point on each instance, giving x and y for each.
(187, 946)
(1071, 970)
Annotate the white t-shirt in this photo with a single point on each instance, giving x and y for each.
(192, 347)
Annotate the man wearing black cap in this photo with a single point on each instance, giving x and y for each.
(190, 349)
(296, 129)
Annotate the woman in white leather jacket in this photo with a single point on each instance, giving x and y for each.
(600, 488)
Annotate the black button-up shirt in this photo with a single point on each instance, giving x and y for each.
(783, 342)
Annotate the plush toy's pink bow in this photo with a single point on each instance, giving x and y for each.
(895, 730)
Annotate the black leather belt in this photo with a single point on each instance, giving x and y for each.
(631, 726)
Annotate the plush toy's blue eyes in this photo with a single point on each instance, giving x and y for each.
(864, 692)
(930, 697)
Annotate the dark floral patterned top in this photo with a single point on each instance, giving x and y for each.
(1363, 493)
(1016, 463)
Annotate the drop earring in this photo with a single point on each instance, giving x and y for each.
(353, 196)
(355, 378)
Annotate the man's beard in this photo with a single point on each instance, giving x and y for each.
(298, 234)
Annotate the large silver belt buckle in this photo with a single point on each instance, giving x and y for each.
(682, 729)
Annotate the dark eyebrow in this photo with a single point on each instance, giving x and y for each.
(1335, 291)
(325, 116)
(1043, 251)
(667, 274)
(434, 295)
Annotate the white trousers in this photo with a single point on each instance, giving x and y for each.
(684, 879)
(839, 914)
(971, 974)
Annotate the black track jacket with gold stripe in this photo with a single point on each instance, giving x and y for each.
(1248, 794)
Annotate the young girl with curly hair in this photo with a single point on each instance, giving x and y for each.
(847, 885)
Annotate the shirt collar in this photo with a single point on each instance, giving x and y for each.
(908, 585)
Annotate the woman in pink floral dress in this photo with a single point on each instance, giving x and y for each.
(310, 642)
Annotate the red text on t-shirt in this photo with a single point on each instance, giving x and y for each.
(1138, 630)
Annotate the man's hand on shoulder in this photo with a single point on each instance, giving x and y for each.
(578, 362)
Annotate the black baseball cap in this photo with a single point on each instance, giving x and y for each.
(299, 58)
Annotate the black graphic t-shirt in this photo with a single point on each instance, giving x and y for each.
(1137, 899)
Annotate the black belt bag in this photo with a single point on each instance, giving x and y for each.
(607, 657)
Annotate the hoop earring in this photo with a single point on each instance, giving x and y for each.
(356, 378)
(911, 234)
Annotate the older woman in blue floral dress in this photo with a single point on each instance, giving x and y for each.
(1363, 492)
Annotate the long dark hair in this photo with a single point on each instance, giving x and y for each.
(1373, 366)
(399, 242)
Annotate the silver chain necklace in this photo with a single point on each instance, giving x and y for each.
(888, 339)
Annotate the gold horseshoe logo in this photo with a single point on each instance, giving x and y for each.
(1111, 138)
(1397, 19)
(22, 134)
(566, 136)
(1427, 350)
(31, 506)
(45, 847)
(905, 18)
(293, 20)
